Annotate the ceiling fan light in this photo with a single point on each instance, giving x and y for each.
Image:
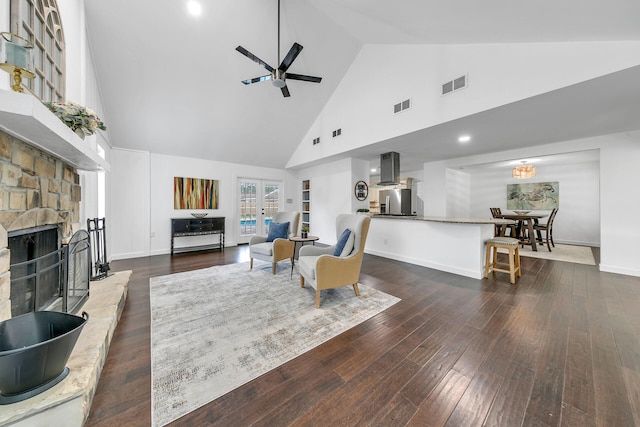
(277, 78)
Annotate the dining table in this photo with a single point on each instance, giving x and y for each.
(525, 220)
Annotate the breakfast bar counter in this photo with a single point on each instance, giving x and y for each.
(455, 245)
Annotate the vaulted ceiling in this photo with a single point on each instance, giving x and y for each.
(170, 82)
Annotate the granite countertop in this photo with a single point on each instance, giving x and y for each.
(447, 219)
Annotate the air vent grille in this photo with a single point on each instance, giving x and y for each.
(337, 132)
(401, 106)
(460, 82)
(316, 141)
(455, 84)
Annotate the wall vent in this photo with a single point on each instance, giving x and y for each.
(401, 106)
(455, 84)
(316, 141)
(337, 132)
(447, 87)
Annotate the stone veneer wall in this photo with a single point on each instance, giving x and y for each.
(35, 189)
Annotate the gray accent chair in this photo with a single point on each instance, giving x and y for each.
(322, 270)
(279, 249)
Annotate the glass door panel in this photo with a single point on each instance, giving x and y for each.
(259, 200)
(270, 203)
(248, 209)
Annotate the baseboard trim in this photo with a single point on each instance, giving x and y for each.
(442, 267)
(619, 270)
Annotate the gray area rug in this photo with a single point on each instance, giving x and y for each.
(215, 329)
(566, 253)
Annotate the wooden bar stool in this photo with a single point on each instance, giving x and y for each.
(511, 245)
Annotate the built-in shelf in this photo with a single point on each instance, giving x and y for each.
(25, 117)
(306, 204)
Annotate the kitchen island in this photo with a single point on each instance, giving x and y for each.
(455, 245)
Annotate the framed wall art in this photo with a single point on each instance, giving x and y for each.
(533, 195)
(361, 190)
(195, 193)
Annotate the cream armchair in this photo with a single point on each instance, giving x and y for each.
(321, 269)
(279, 249)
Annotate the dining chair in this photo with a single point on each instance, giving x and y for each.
(547, 228)
(496, 213)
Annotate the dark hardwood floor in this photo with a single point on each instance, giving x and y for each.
(559, 348)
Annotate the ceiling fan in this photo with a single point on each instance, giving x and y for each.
(279, 75)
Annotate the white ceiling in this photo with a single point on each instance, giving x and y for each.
(170, 82)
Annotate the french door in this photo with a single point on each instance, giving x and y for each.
(258, 201)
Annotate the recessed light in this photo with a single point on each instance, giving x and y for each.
(194, 8)
(464, 138)
(373, 169)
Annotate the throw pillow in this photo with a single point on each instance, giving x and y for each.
(278, 231)
(342, 247)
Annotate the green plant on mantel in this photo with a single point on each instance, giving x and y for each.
(82, 120)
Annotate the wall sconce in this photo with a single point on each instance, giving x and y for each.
(16, 57)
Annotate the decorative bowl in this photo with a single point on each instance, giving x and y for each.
(522, 212)
(199, 214)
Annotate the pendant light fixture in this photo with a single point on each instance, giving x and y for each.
(523, 171)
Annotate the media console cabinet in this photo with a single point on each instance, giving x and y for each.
(186, 227)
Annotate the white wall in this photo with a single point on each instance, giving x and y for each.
(142, 197)
(498, 74)
(434, 189)
(620, 204)
(331, 193)
(458, 194)
(81, 85)
(128, 225)
(578, 218)
(164, 168)
(359, 172)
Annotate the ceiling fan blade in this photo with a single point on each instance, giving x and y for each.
(257, 79)
(254, 58)
(304, 78)
(285, 91)
(291, 56)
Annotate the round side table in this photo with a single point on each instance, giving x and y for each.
(302, 241)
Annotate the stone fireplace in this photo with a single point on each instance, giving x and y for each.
(37, 191)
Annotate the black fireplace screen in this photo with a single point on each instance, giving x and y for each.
(78, 271)
(40, 270)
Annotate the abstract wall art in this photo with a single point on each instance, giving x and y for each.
(535, 195)
(195, 193)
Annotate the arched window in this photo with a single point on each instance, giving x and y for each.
(39, 22)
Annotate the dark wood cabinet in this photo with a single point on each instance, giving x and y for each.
(185, 227)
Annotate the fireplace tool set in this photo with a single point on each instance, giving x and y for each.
(99, 265)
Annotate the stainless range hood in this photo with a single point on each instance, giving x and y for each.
(389, 168)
